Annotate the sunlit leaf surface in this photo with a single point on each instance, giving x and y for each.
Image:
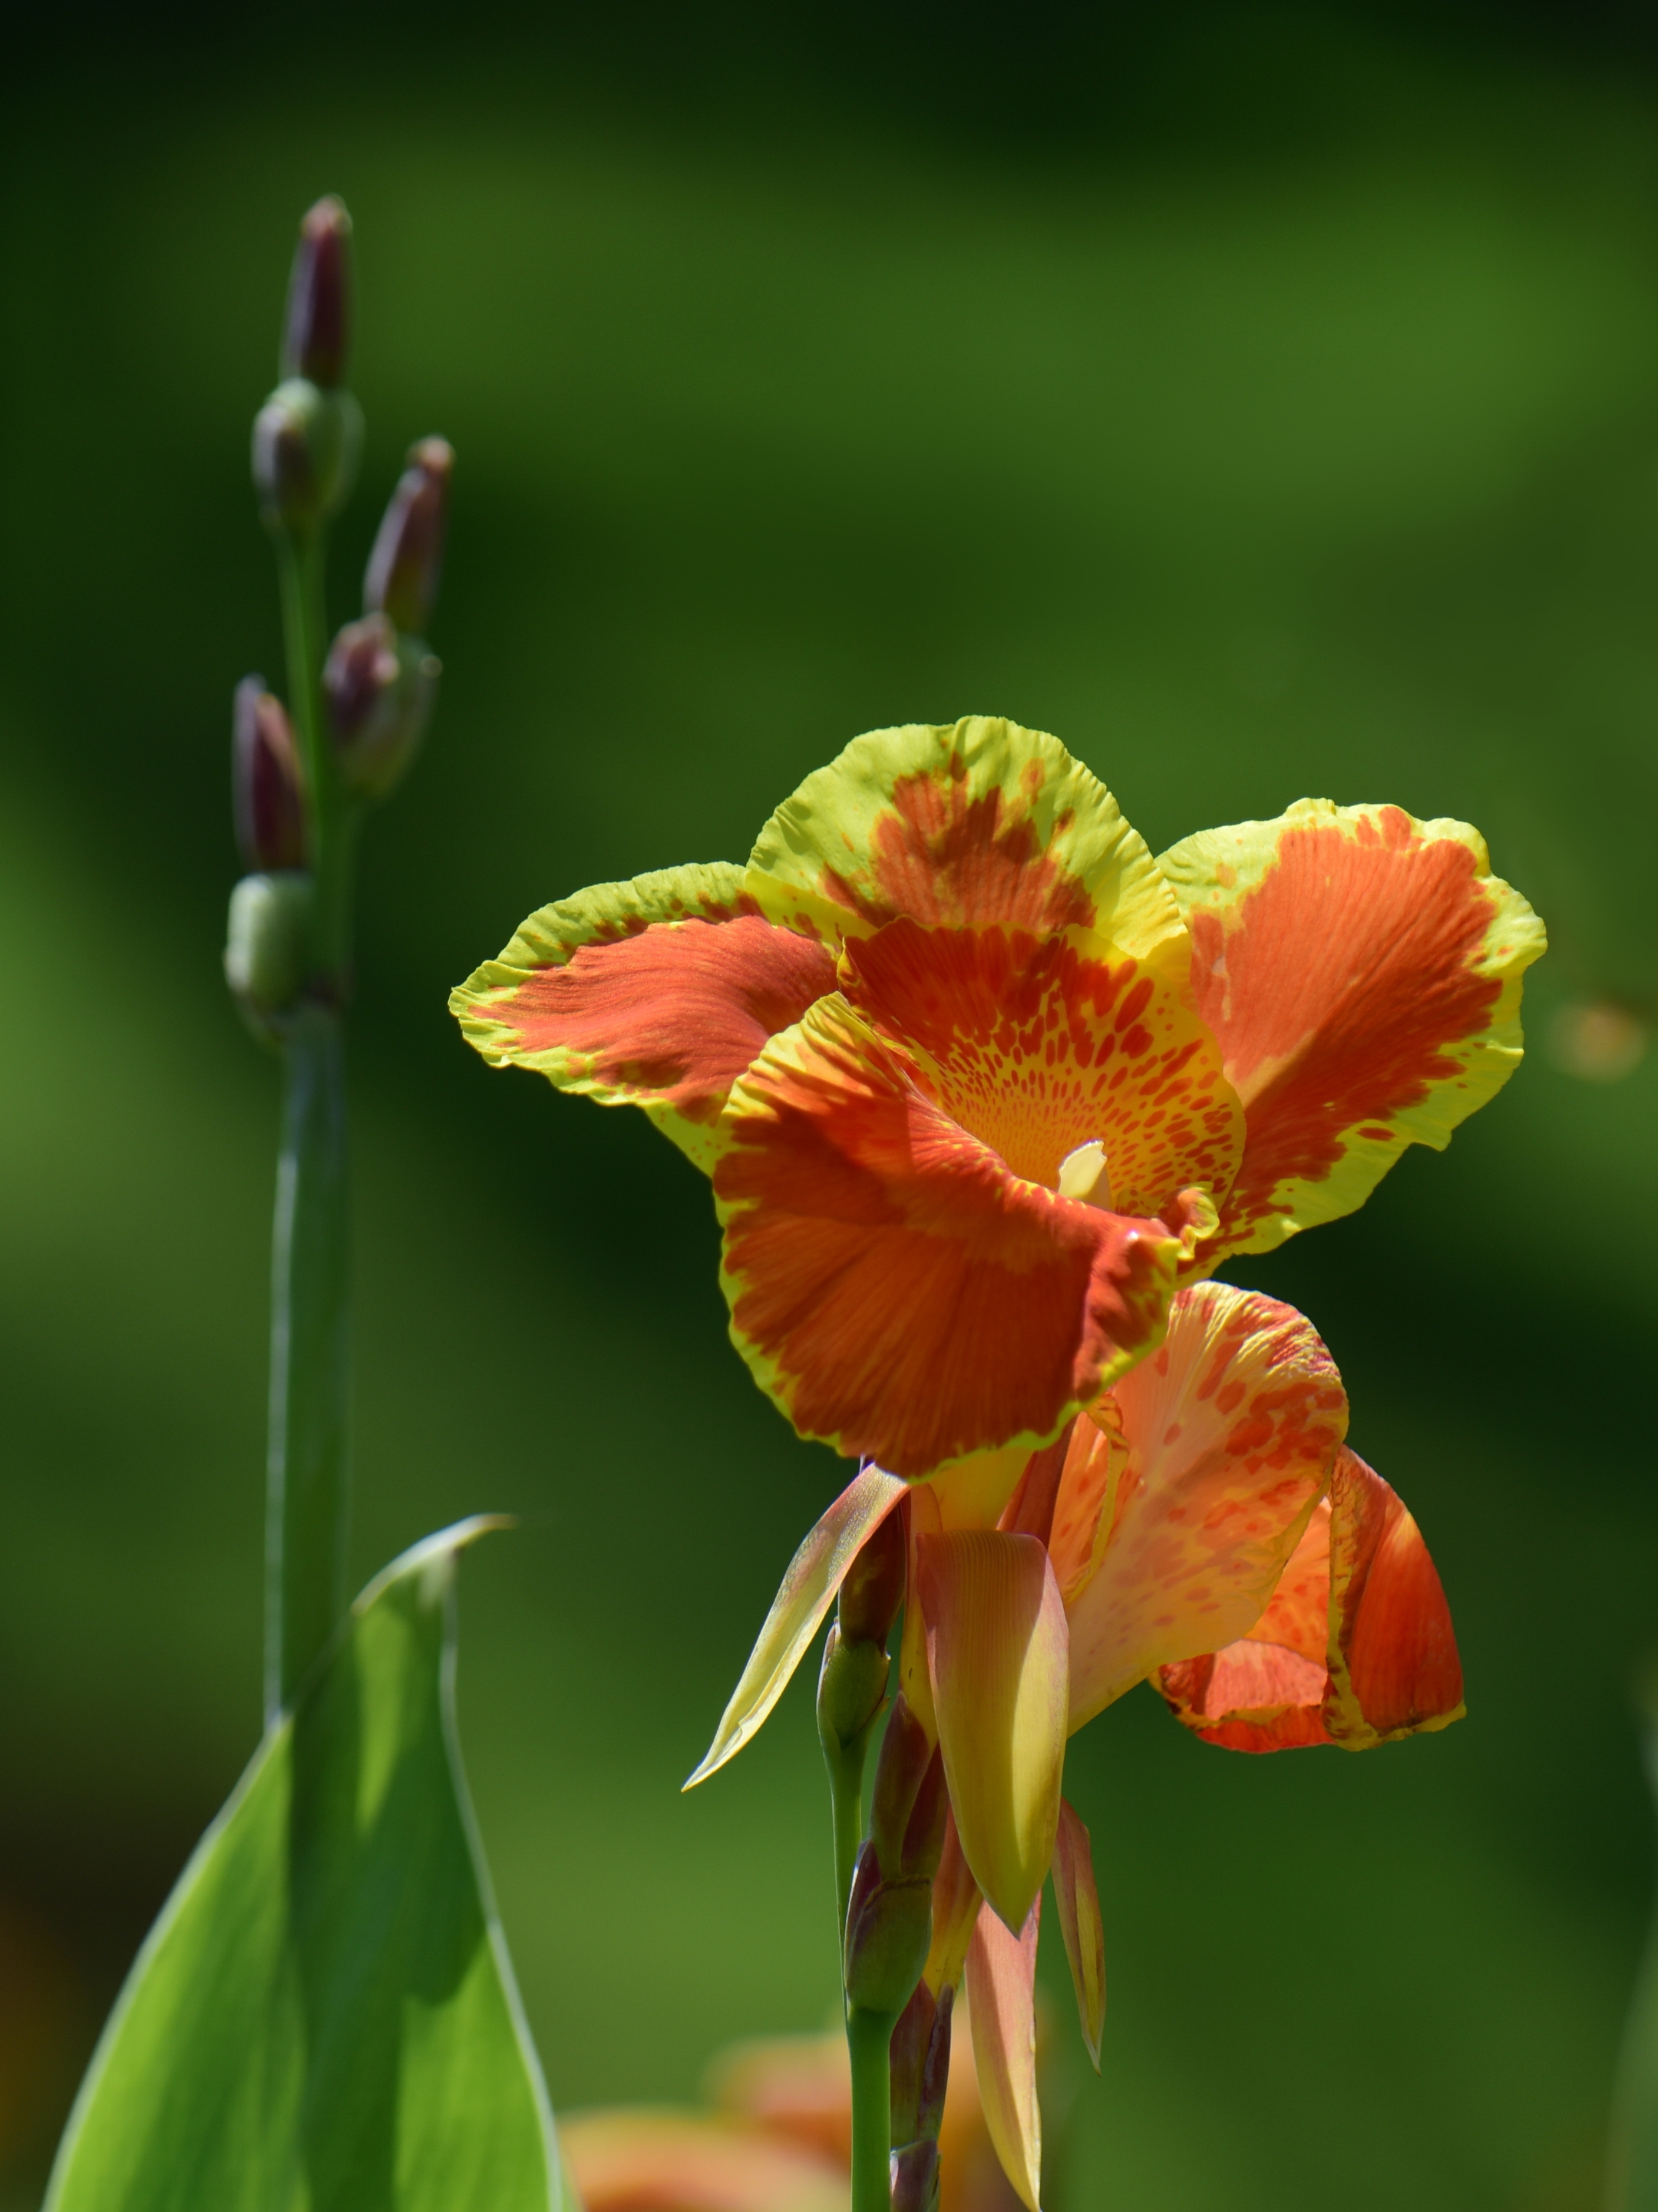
(324, 2017)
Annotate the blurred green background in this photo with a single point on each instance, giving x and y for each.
(1264, 402)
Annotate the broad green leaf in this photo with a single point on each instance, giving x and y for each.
(324, 2018)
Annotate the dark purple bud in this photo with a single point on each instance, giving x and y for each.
(378, 691)
(915, 2177)
(874, 1586)
(317, 332)
(889, 1928)
(907, 1824)
(264, 778)
(407, 562)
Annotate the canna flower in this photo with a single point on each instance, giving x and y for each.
(986, 1094)
(979, 1083)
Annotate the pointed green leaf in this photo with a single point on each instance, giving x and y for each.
(324, 2019)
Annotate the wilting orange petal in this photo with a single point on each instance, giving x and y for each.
(1232, 1427)
(1393, 1665)
(815, 1574)
(894, 1288)
(1081, 1924)
(641, 2161)
(1001, 1998)
(997, 1655)
(1038, 1045)
(961, 825)
(955, 1902)
(656, 993)
(1357, 1647)
(1362, 970)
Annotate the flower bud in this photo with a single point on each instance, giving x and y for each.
(852, 1689)
(403, 568)
(267, 944)
(874, 1586)
(889, 1926)
(264, 781)
(378, 690)
(920, 2064)
(915, 2177)
(317, 331)
(906, 1825)
(305, 442)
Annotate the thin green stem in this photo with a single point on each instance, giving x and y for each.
(869, 2043)
(307, 1509)
(308, 1494)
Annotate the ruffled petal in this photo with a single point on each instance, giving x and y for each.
(894, 1288)
(1001, 2002)
(1081, 1924)
(1039, 1044)
(997, 1657)
(961, 825)
(1231, 1428)
(808, 1589)
(1357, 1647)
(1362, 970)
(656, 993)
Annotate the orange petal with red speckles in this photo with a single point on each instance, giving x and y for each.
(1001, 2000)
(1231, 1428)
(656, 993)
(1362, 970)
(893, 1287)
(1357, 1647)
(1038, 1044)
(996, 1647)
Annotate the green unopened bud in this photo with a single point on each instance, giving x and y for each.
(317, 330)
(852, 1689)
(378, 693)
(305, 442)
(267, 944)
(889, 1928)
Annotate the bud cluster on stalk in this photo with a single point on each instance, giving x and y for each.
(371, 701)
(889, 1919)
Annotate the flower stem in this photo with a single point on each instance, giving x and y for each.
(869, 2039)
(846, 1773)
(307, 1507)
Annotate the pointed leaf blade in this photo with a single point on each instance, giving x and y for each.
(324, 2016)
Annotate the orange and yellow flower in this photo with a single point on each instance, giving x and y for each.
(986, 1093)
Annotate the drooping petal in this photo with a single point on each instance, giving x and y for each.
(1037, 1045)
(656, 993)
(1232, 1428)
(1001, 2000)
(961, 825)
(1085, 1508)
(893, 1287)
(1362, 970)
(1081, 1924)
(956, 1899)
(1357, 1647)
(997, 1655)
(808, 1589)
(637, 2159)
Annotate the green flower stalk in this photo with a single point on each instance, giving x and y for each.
(302, 777)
